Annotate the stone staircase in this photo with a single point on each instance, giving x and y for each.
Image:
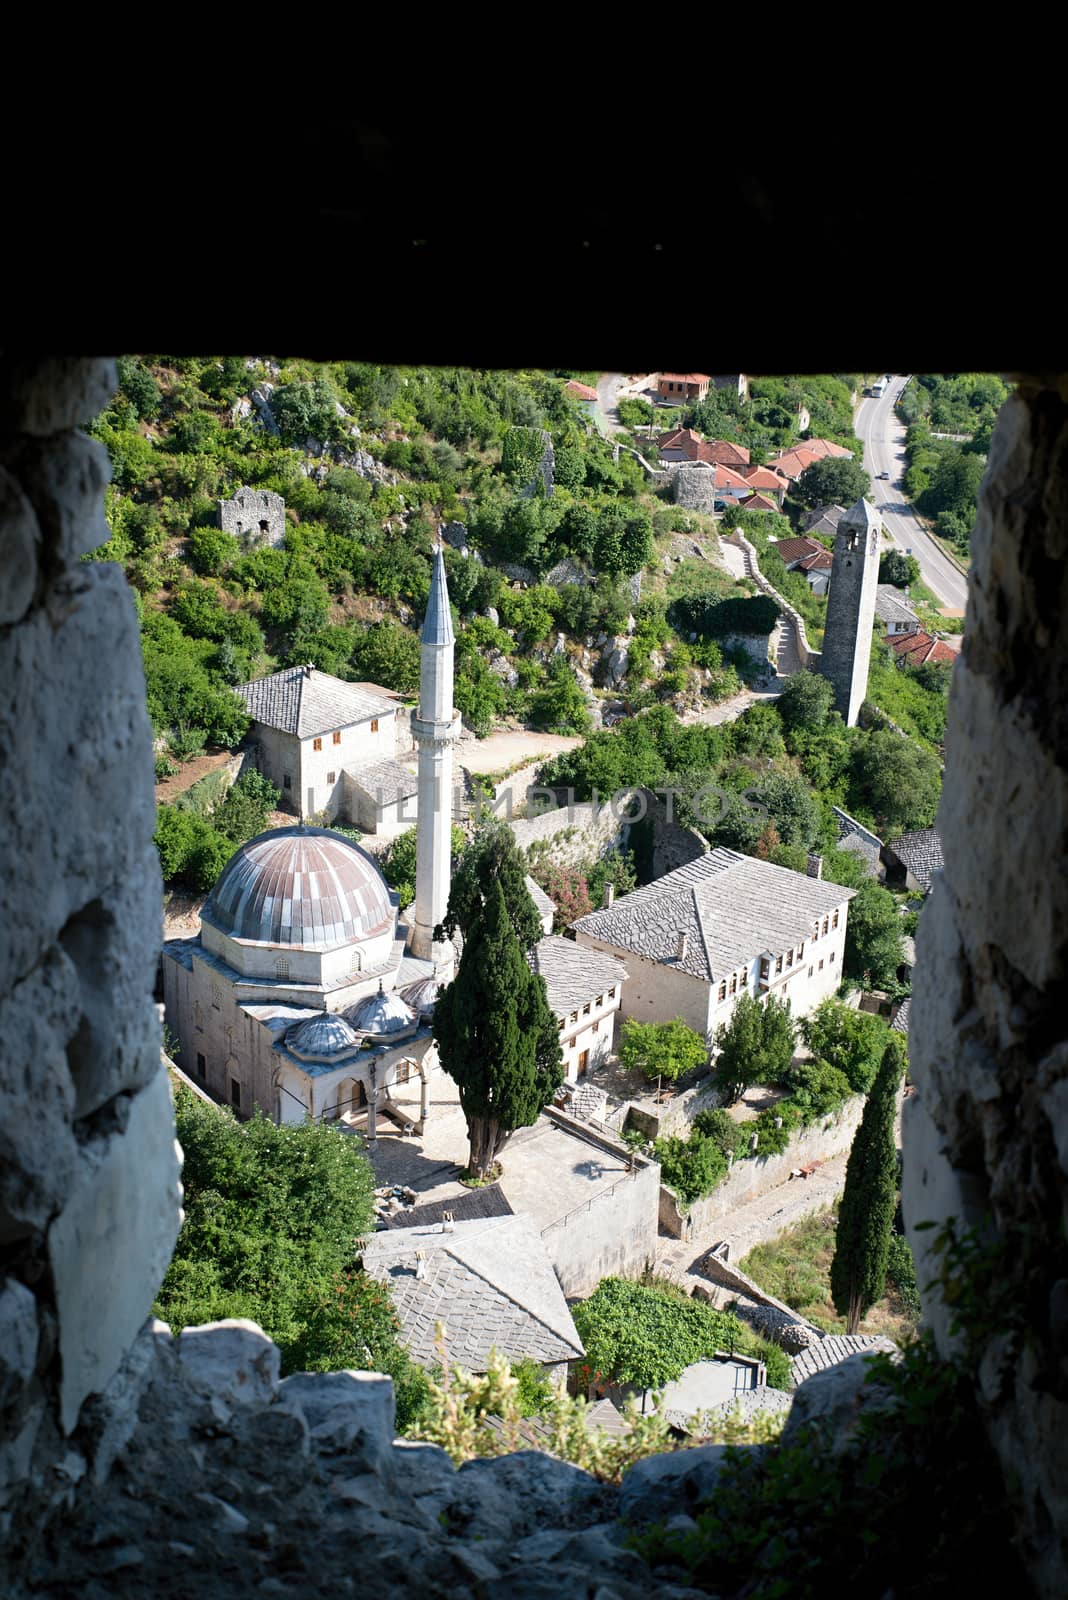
(787, 655)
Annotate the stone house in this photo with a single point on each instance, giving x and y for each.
(682, 388)
(912, 860)
(892, 608)
(916, 648)
(854, 836)
(822, 521)
(585, 991)
(489, 1281)
(762, 480)
(330, 747)
(719, 927)
(737, 381)
(810, 557)
(255, 516)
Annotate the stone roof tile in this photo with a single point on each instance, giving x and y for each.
(574, 974)
(306, 702)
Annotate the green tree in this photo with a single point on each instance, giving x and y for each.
(496, 1036)
(866, 1210)
(833, 481)
(899, 569)
(246, 808)
(399, 862)
(661, 1049)
(806, 701)
(272, 1215)
(754, 1046)
(874, 946)
(636, 1334)
(850, 1041)
(899, 780)
(491, 856)
(388, 654)
(561, 705)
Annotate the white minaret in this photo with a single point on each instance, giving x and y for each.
(434, 730)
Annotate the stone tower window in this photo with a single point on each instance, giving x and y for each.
(216, 996)
(281, 967)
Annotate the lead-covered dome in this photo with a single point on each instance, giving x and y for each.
(304, 887)
(323, 1037)
(381, 1015)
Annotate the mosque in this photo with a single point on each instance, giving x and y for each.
(304, 994)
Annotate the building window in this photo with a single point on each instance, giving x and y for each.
(355, 961)
(216, 996)
(734, 984)
(831, 956)
(723, 991)
(331, 777)
(317, 744)
(560, 1025)
(281, 967)
(374, 724)
(825, 924)
(202, 1067)
(337, 738)
(599, 1000)
(834, 920)
(765, 967)
(821, 966)
(815, 933)
(611, 994)
(287, 781)
(586, 1009)
(800, 952)
(574, 1016)
(235, 1094)
(789, 958)
(778, 965)
(810, 972)
(198, 1016)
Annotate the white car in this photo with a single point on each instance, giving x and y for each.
(882, 475)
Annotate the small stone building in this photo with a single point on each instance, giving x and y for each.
(913, 859)
(585, 991)
(255, 516)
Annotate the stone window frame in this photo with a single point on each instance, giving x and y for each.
(337, 737)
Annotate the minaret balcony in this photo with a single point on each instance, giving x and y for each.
(429, 731)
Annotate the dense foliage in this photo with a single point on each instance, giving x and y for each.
(754, 1046)
(272, 1221)
(661, 1049)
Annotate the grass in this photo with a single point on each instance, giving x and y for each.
(796, 1268)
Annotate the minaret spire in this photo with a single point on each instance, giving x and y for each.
(434, 730)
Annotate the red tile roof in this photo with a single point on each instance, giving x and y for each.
(793, 462)
(680, 439)
(822, 559)
(727, 478)
(685, 377)
(763, 478)
(917, 648)
(581, 391)
(723, 450)
(798, 549)
(759, 502)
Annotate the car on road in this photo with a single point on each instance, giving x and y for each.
(882, 475)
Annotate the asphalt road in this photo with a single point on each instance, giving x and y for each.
(883, 437)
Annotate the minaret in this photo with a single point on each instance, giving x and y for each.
(434, 730)
(851, 609)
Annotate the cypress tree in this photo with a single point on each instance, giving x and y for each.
(496, 1036)
(866, 1211)
(491, 857)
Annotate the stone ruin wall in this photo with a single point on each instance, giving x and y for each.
(89, 1192)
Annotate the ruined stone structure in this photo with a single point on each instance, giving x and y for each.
(851, 609)
(110, 1428)
(255, 516)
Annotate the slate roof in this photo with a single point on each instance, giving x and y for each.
(921, 853)
(891, 605)
(853, 835)
(900, 1023)
(307, 702)
(394, 781)
(489, 1281)
(573, 973)
(833, 1348)
(733, 908)
(466, 1207)
(823, 519)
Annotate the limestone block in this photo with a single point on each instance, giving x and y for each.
(38, 1152)
(18, 1339)
(233, 1359)
(108, 1420)
(663, 1485)
(64, 478)
(19, 550)
(79, 801)
(517, 1494)
(110, 1246)
(932, 1190)
(347, 1411)
(834, 1399)
(16, 1451)
(50, 394)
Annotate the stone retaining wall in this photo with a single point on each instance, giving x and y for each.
(809, 658)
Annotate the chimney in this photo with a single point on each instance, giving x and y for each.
(814, 869)
(683, 946)
(420, 1263)
(308, 670)
(609, 895)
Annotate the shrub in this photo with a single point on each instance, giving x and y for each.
(639, 1335)
(210, 550)
(661, 1049)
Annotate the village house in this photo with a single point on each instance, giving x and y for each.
(916, 648)
(792, 463)
(854, 836)
(822, 521)
(912, 860)
(330, 747)
(682, 388)
(585, 991)
(737, 382)
(758, 502)
(719, 927)
(892, 608)
(684, 444)
(810, 557)
(762, 480)
(489, 1281)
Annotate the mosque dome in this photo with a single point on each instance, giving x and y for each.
(422, 996)
(382, 1015)
(297, 887)
(323, 1037)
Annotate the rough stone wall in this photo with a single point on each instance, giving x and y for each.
(748, 1179)
(612, 1235)
(255, 516)
(987, 1134)
(594, 832)
(89, 1193)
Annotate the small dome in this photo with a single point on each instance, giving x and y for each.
(303, 887)
(321, 1038)
(382, 1014)
(422, 996)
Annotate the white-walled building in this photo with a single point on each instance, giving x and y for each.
(330, 747)
(585, 990)
(721, 926)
